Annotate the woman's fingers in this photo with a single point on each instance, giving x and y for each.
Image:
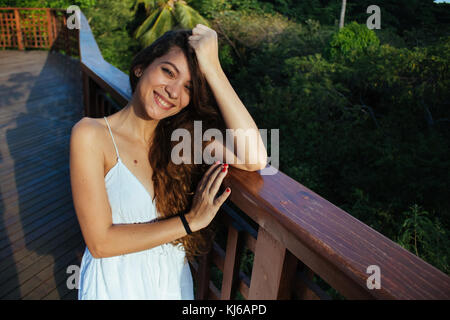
(202, 26)
(203, 182)
(224, 196)
(205, 205)
(217, 181)
(212, 178)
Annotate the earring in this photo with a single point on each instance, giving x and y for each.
(138, 73)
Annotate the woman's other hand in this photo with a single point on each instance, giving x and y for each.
(205, 205)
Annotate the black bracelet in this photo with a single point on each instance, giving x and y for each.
(185, 223)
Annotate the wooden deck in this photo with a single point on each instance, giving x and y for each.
(40, 101)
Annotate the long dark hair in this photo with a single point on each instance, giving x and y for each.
(175, 185)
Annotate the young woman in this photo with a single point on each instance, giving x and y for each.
(139, 215)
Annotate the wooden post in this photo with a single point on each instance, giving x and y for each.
(288, 274)
(203, 276)
(302, 291)
(55, 31)
(65, 32)
(231, 265)
(49, 28)
(89, 96)
(273, 269)
(18, 30)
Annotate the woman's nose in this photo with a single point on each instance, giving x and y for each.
(173, 90)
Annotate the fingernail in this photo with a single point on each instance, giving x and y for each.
(217, 162)
(227, 189)
(224, 169)
(226, 164)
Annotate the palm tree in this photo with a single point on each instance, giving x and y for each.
(341, 21)
(165, 15)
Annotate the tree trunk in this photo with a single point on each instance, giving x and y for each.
(341, 21)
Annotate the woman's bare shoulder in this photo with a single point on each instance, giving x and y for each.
(88, 131)
(88, 126)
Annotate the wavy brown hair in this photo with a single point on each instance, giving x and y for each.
(175, 184)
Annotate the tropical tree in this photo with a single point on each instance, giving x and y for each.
(165, 15)
(341, 20)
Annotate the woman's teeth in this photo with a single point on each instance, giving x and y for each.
(162, 102)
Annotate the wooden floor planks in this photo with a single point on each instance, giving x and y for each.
(40, 101)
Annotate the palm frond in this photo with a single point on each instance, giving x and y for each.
(187, 16)
(148, 4)
(163, 23)
(147, 24)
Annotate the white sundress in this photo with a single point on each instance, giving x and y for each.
(158, 273)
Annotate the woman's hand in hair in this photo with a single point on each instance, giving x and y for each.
(204, 42)
(205, 204)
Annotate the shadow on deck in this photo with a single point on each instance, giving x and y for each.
(40, 101)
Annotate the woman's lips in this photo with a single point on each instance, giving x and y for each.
(155, 95)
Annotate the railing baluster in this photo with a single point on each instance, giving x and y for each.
(306, 288)
(203, 276)
(272, 269)
(232, 261)
(18, 30)
(49, 28)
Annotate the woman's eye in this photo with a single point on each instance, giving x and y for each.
(168, 71)
(171, 74)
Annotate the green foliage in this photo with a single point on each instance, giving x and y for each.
(164, 16)
(367, 119)
(63, 4)
(110, 22)
(417, 22)
(208, 8)
(244, 31)
(428, 239)
(352, 41)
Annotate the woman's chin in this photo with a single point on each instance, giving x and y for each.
(156, 113)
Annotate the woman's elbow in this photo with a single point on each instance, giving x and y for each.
(98, 249)
(259, 165)
(96, 252)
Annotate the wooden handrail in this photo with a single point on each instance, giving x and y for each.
(105, 74)
(334, 244)
(292, 231)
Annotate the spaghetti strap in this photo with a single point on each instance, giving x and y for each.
(117, 151)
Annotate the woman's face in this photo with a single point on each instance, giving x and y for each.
(164, 88)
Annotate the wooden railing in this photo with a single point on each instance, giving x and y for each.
(37, 28)
(293, 233)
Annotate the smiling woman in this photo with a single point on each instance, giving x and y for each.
(137, 209)
(163, 86)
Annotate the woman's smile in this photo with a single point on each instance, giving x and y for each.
(161, 102)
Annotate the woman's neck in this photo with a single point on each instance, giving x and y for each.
(136, 123)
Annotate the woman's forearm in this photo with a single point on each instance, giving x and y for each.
(128, 238)
(235, 114)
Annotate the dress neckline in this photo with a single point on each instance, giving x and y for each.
(131, 173)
